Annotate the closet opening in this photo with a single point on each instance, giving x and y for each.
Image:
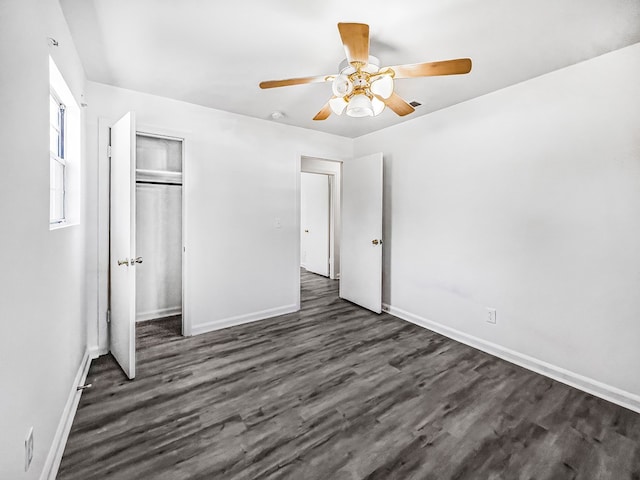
(159, 232)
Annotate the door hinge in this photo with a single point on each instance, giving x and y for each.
(108, 316)
(109, 151)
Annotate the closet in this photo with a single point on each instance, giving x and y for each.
(158, 227)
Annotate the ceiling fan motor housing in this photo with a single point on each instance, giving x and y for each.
(372, 66)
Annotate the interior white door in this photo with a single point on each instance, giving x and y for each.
(361, 241)
(314, 205)
(122, 244)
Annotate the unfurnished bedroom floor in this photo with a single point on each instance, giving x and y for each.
(337, 392)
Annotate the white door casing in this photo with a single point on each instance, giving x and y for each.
(122, 244)
(315, 216)
(361, 242)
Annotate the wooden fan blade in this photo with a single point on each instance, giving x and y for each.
(432, 69)
(294, 81)
(324, 112)
(355, 37)
(396, 103)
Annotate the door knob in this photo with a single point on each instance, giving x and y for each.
(376, 241)
(123, 262)
(138, 260)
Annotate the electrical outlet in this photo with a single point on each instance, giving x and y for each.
(28, 449)
(277, 222)
(491, 315)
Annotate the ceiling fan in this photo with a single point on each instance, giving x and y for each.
(364, 89)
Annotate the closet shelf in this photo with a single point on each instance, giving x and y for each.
(158, 177)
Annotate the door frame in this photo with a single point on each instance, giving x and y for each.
(154, 132)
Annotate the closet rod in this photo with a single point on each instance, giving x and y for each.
(149, 182)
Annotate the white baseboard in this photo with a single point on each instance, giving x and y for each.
(94, 352)
(52, 463)
(586, 384)
(240, 319)
(160, 313)
(99, 352)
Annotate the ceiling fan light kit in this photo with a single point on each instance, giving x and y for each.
(360, 106)
(338, 105)
(362, 88)
(358, 90)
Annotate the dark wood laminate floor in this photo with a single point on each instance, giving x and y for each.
(336, 392)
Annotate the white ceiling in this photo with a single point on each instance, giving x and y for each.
(215, 53)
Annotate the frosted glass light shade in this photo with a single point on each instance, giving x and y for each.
(341, 86)
(338, 105)
(383, 86)
(377, 105)
(360, 106)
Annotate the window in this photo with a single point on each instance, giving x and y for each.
(57, 165)
(65, 153)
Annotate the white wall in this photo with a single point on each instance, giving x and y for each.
(526, 200)
(159, 243)
(42, 277)
(241, 179)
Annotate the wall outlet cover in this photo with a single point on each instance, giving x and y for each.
(491, 315)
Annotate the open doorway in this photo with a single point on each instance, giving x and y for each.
(320, 182)
(158, 238)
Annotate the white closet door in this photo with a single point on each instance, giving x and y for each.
(122, 244)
